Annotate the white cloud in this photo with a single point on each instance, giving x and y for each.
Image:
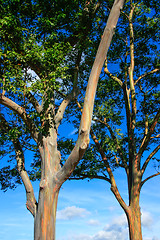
(93, 222)
(79, 237)
(32, 74)
(117, 229)
(150, 238)
(111, 208)
(114, 234)
(71, 212)
(147, 219)
(73, 132)
(120, 220)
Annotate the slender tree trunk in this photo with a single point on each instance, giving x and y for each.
(134, 217)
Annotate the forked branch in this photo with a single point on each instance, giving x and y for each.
(146, 74)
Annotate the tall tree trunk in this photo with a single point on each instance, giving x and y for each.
(45, 219)
(44, 225)
(134, 216)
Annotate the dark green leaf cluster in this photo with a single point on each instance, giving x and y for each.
(41, 45)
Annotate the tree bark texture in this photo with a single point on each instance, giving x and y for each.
(45, 219)
(134, 220)
(44, 224)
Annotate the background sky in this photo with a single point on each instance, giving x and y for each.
(86, 211)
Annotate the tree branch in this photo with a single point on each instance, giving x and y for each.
(115, 141)
(149, 158)
(114, 188)
(132, 88)
(145, 180)
(31, 203)
(158, 136)
(84, 129)
(99, 148)
(146, 74)
(146, 125)
(22, 113)
(111, 75)
(61, 110)
(122, 203)
(84, 176)
(72, 95)
(148, 137)
(34, 102)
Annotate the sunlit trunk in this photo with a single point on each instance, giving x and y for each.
(44, 225)
(134, 216)
(45, 219)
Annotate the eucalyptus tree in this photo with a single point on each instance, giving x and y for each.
(126, 125)
(43, 45)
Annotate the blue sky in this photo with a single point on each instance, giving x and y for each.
(86, 210)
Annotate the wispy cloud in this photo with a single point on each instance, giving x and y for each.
(73, 132)
(147, 219)
(93, 222)
(72, 212)
(150, 238)
(117, 229)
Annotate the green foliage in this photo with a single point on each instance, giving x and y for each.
(110, 117)
(40, 43)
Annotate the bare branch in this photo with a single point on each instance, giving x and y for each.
(158, 136)
(72, 95)
(146, 125)
(149, 158)
(31, 203)
(97, 6)
(145, 180)
(147, 138)
(34, 102)
(84, 129)
(84, 176)
(22, 113)
(114, 188)
(115, 141)
(131, 79)
(111, 75)
(146, 74)
(126, 93)
(122, 203)
(61, 110)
